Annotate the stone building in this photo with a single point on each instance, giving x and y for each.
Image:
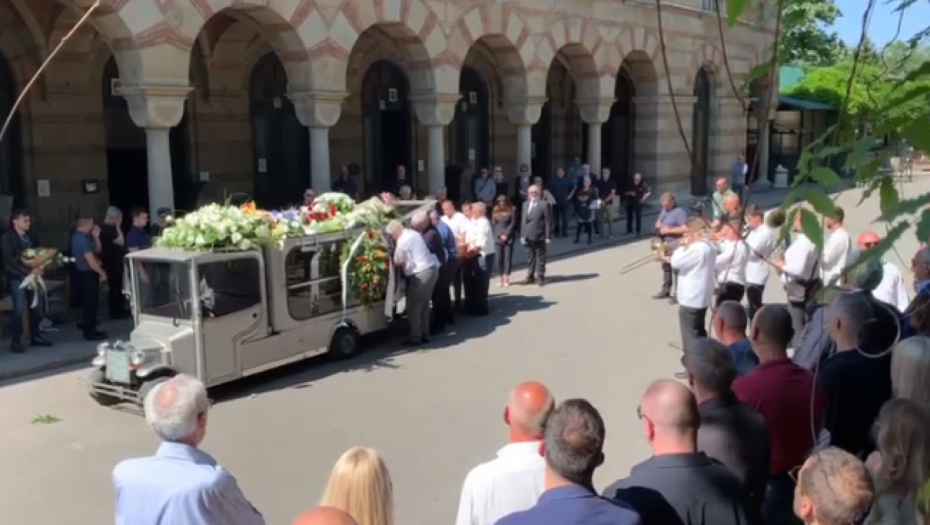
(152, 102)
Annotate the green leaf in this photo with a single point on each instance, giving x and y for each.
(825, 177)
(923, 227)
(811, 227)
(887, 195)
(821, 202)
(734, 10)
(905, 207)
(918, 134)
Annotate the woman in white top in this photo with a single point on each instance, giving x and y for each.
(730, 265)
(836, 250)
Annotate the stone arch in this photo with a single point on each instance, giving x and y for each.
(285, 34)
(707, 57)
(17, 46)
(108, 22)
(233, 52)
(505, 37)
(30, 23)
(578, 42)
(410, 28)
(640, 51)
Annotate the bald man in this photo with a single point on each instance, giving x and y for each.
(717, 205)
(514, 480)
(679, 484)
(891, 290)
(325, 516)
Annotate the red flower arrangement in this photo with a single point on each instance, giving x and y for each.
(367, 275)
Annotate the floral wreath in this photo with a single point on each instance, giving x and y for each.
(367, 272)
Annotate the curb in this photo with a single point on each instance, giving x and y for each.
(58, 363)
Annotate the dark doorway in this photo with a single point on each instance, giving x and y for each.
(472, 122)
(282, 144)
(388, 126)
(542, 138)
(700, 136)
(127, 157)
(11, 148)
(617, 135)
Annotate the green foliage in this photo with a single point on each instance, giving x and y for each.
(804, 39)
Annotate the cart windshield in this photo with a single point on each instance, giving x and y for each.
(163, 288)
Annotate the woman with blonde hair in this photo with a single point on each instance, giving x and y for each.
(910, 370)
(360, 484)
(901, 466)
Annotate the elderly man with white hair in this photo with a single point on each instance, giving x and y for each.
(421, 269)
(181, 483)
(481, 251)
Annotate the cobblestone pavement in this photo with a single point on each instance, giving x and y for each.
(433, 413)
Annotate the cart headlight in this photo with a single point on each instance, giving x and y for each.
(136, 357)
(102, 348)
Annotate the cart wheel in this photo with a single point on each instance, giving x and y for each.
(150, 385)
(98, 375)
(346, 344)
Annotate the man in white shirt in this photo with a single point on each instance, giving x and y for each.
(891, 290)
(514, 480)
(761, 243)
(695, 263)
(480, 253)
(422, 271)
(799, 272)
(836, 250)
(458, 223)
(730, 265)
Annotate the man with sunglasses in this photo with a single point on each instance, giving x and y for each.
(891, 289)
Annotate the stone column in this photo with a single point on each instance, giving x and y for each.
(157, 109)
(594, 113)
(319, 111)
(435, 112)
(524, 113)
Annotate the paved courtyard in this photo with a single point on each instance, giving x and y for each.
(433, 413)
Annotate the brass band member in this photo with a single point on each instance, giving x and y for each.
(761, 242)
(730, 264)
(695, 262)
(670, 227)
(800, 273)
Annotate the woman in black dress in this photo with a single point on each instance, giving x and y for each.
(586, 203)
(503, 227)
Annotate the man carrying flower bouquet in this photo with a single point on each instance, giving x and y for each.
(17, 268)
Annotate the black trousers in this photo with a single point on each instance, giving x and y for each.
(729, 292)
(691, 321)
(477, 277)
(666, 279)
(442, 301)
(560, 213)
(116, 302)
(536, 257)
(90, 300)
(584, 227)
(504, 259)
(754, 294)
(634, 217)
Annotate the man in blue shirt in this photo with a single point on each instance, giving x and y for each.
(180, 484)
(562, 190)
(670, 227)
(574, 449)
(446, 271)
(729, 324)
(85, 244)
(137, 238)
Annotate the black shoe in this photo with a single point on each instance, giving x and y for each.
(17, 348)
(95, 336)
(410, 343)
(528, 281)
(672, 301)
(39, 341)
(541, 282)
(661, 295)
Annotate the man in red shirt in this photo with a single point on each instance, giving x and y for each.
(790, 401)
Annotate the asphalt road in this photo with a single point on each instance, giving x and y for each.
(433, 413)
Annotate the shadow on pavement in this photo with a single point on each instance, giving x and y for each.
(382, 350)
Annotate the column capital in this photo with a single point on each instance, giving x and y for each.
(594, 110)
(435, 109)
(318, 109)
(525, 111)
(156, 107)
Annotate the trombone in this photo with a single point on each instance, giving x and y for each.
(658, 248)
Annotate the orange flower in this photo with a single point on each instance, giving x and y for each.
(362, 258)
(248, 206)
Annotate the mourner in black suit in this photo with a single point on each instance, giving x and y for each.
(535, 232)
